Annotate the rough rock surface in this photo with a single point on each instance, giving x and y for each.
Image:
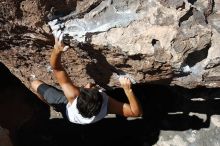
(163, 41)
(155, 40)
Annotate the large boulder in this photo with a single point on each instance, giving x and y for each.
(19, 107)
(161, 41)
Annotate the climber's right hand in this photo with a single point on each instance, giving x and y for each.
(59, 45)
(125, 83)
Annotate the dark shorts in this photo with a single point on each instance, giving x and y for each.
(53, 96)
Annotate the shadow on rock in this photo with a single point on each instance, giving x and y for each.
(172, 108)
(18, 105)
(165, 108)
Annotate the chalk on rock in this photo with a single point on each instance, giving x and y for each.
(117, 76)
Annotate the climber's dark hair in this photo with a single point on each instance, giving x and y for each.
(89, 102)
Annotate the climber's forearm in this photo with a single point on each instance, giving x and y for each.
(70, 90)
(55, 59)
(135, 105)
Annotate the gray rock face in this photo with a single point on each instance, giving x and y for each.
(173, 38)
(102, 18)
(203, 137)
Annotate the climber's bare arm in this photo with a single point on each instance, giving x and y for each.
(70, 90)
(131, 109)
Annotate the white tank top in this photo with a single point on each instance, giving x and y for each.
(75, 117)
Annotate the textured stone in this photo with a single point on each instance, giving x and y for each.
(215, 119)
(155, 40)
